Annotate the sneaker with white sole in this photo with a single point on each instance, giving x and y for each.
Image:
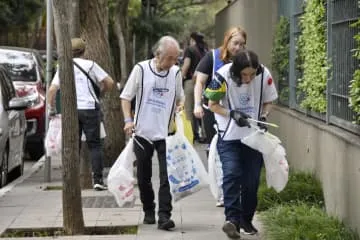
(247, 228)
(219, 203)
(100, 186)
(231, 230)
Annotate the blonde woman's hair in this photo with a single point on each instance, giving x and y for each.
(224, 54)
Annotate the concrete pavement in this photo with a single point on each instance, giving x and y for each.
(28, 205)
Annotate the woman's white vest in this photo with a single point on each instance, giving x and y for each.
(156, 102)
(245, 98)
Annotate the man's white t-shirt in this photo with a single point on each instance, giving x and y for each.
(85, 94)
(155, 94)
(245, 98)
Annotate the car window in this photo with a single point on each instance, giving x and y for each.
(7, 87)
(21, 66)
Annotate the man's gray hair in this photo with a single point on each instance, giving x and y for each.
(164, 43)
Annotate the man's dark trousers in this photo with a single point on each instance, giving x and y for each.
(144, 151)
(89, 122)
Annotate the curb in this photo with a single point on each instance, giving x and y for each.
(22, 178)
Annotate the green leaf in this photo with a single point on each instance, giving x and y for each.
(311, 60)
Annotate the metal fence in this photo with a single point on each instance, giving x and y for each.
(340, 42)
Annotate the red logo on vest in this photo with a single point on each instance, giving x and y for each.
(269, 81)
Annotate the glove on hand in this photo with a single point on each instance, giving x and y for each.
(261, 125)
(240, 118)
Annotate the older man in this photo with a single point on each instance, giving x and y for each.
(157, 86)
(88, 76)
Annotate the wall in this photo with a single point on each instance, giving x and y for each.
(331, 153)
(258, 17)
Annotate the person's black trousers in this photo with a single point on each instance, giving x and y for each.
(144, 151)
(89, 122)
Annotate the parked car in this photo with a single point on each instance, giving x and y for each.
(26, 71)
(12, 128)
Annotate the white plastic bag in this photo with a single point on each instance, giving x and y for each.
(263, 142)
(120, 179)
(277, 169)
(53, 136)
(276, 165)
(186, 172)
(215, 170)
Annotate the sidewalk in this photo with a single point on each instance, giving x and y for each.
(27, 205)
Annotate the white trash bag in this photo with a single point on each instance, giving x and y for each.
(53, 136)
(264, 142)
(215, 170)
(120, 179)
(186, 172)
(276, 165)
(277, 169)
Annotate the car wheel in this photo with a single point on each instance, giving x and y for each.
(4, 168)
(19, 170)
(36, 151)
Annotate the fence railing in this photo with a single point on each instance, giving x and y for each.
(340, 42)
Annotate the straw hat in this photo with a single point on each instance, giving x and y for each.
(77, 44)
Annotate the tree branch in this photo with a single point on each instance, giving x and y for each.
(163, 12)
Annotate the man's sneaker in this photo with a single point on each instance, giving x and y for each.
(166, 224)
(220, 203)
(100, 185)
(230, 229)
(149, 218)
(247, 228)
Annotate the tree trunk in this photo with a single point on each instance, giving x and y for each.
(146, 12)
(75, 19)
(121, 30)
(94, 19)
(72, 206)
(85, 166)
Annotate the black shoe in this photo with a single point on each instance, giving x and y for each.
(231, 230)
(247, 228)
(149, 218)
(166, 224)
(99, 185)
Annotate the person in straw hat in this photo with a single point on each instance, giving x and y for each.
(90, 81)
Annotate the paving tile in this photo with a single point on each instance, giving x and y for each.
(84, 237)
(16, 201)
(113, 237)
(150, 232)
(91, 215)
(195, 233)
(125, 218)
(191, 227)
(10, 211)
(90, 222)
(32, 222)
(204, 218)
(53, 212)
